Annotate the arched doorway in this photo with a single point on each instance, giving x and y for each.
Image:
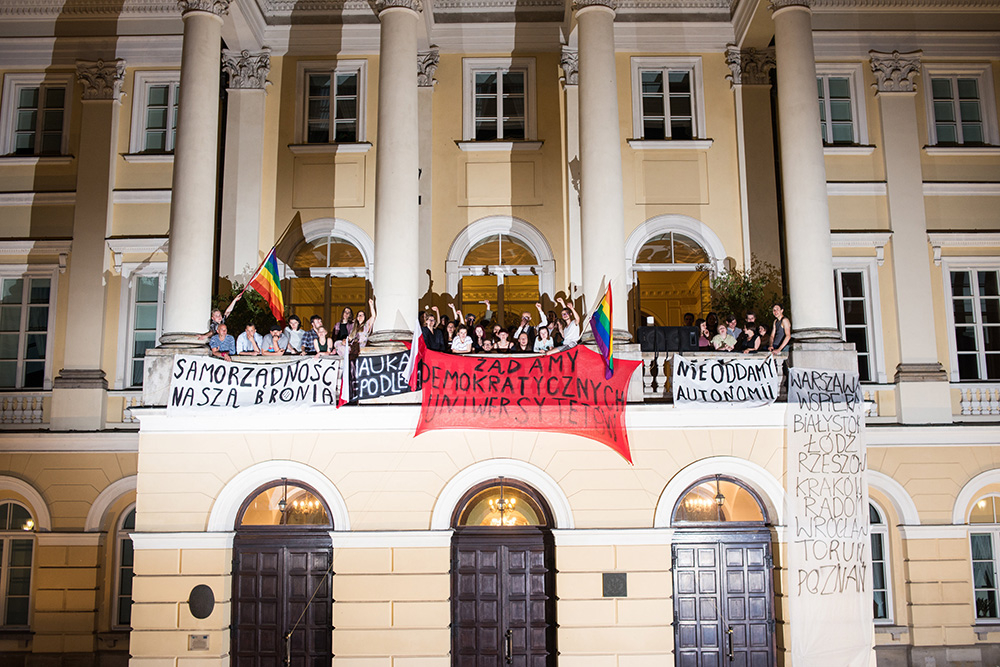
(282, 578)
(723, 585)
(502, 578)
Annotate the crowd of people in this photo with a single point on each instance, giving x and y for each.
(464, 334)
(751, 337)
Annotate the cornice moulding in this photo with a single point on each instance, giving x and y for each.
(139, 245)
(37, 198)
(856, 189)
(329, 149)
(963, 151)
(141, 196)
(98, 441)
(859, 239)
(901, 5)
(174, 541)
(29, 246)
(939, 189)
(139, 51)
(86, 9)
(848, 150)
(840, 44)
(671, 144)
(964, 239)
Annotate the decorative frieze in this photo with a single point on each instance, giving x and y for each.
(582, 4)
(247, 70)
(749, 66)
(570, 63)
(101, 80)
(775, 5)
(382, 5)
(427, 64)
(895, 72)
(217, 7)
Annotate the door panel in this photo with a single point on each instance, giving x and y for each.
(502, 600)
(273, 585)
(723, 603)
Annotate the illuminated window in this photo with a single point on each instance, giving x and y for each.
(983, 543)
(284, 504)
(16, 551)
(719, 500)
(502, 504)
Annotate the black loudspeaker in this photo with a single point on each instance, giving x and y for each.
(201, 602)
(667, 339)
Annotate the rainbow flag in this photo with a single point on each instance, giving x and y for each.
(600, 324)
(267, 283)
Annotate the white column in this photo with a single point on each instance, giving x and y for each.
(602, 209)
(397, 162)
(803, 177)
(242, 179)
(922, 391)
(79, 393)
(188, 294)
(570, 63)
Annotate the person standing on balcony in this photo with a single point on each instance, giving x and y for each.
(781, 330)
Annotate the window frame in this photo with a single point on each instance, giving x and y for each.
(470, 67)
(13, 82)
(962, 264)
(142, 82)
(130, 272)
(854, 73)
(987, 99)
(27, 272)
(993, 530)
(868, 267)
(120, 536)
(693, 64)
(882, 530)
(333, 67)
(6, 538)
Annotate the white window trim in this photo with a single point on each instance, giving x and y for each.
(40, 271)
(126, 314)
(868, 266)
(12, 82)
(994, 530)
(469, 68)
(120, 533)
(960, 264)
(987, 98)
(333, 66)
(697, 91)
(140, 100)
(883, 530)
(859, 113)
(7, 536)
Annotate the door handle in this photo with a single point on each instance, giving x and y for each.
(509, 646)
(729, 640)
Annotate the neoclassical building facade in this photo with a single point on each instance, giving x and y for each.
(437, 152)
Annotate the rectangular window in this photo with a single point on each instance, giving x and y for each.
(667, 99)
(18, 580)
(853, 317)
(34, 118)
(984, 575)
(332, 107)
(498, 99)
(836, 112)
(958, 118)
(154, 112)
(960, 104)
(147, 316)
(975, 295)
(24, 331)
(126, 571)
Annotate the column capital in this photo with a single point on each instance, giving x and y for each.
(102, 80)
(895, 72)
(570, 63)
(382, 5)
(583, 4)
(775, 5)
(247, 70)
(218, 7)
(427, 64)
(749, 66)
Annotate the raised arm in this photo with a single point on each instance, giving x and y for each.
(542, 320)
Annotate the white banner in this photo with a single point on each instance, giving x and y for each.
(829, 549)
(734, 382)
(210, 383)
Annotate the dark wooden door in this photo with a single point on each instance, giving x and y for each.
(503, 602)
(724, 602)
(274, 579)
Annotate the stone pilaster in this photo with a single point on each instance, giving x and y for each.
(427, 64)
(569, 61)
(922, 391)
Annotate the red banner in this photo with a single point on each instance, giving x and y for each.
(564, 392)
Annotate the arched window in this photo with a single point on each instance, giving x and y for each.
(983, 539)
(881, 586)
(719, 500)
(126, 571)
(16, 550)
(284, 503)
(501, 503)
(328, 272)
(671, 260)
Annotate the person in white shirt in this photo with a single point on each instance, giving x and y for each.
(249, 342)
(543, 343)
(461, 343)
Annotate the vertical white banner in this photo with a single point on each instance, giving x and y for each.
(829, 548)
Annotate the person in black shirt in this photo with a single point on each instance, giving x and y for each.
(433, 337)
